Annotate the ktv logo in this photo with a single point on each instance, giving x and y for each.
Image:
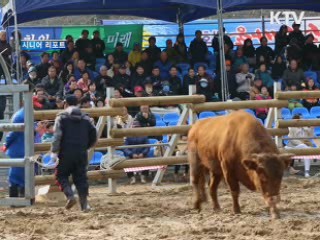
(275, 17)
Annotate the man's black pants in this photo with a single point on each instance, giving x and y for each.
(74, 164)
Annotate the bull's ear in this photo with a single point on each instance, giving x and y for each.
(250, 164)
(286, 158)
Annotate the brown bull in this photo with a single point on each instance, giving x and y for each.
(238, 148)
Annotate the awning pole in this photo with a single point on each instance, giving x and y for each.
(179, 21)
(16, 42)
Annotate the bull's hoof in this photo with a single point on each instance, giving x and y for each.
(197, 206)
(217, 209)
(236, 211)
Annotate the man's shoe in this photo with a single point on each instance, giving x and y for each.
(70, 203)
(143, 179)
(133, 180)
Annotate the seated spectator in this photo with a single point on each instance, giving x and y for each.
(42, 68)
(135, 55)
(145, 117)
(256, 88)
(75, 58)
(198, 49)
(97, 45)
(231, 78)
(120, 56)
(265, 76)
(149, 90)
(310, 54)
(82, 68)
(67, 54)
(138, 77)
(138, 92)
(85, 102)
(281, 40)
(181, 49)
(264, 53)
(67, 70)
(174, 81)
(249, 52)
(110, 61)
(204, 84)
(114, 70)
(239, 60)
(294, 103)
(262, 113)
(52, 84)
(170, 51)
(71, 85)
(156, 78)
(48, 136)
(164, 65)
(310, 102)
(122, 82)
(40, 101)
(100, 103)
(152, 51)
(89, 57)
(278, 68)
(293, 75)
(103, 81)
(55, 57)
(78, 93)
(146, 63)
(128, 68)
(301, 132)
(188, 79)
(244, 80)
(83, 42)
(294, 51)
(92, 94)
(84, 82)
(32, 79)
(134, 153)
(123, 121)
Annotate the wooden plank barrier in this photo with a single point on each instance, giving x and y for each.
(302, 151)
(252, 104)
(93, 112)
(298, 123)
(183, 130)
(98, 175)
(102, 142)
(156, 101)
(297, 95)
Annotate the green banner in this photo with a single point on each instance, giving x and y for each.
(128, 35)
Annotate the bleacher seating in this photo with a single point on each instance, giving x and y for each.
(317, 131)
(207, 114)
(170, 117)
(250, 112)
(286, 113)
(315, 112)
(173, 123)
(301, 111)
(184, 67)
(313, 75)
(158, 117)
(160, 123)
(96, 158)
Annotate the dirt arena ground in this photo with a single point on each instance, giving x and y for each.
(140, 212)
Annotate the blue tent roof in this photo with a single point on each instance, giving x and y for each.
(236, 5)
(158, 9)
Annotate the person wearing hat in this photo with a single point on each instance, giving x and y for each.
(135, 153)
(120, 56)
(83, 42)
(98, 45)
(32, 79)
(135, 55)
(153, 51)
(297, 34)
(70, 126)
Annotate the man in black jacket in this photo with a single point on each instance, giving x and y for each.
(70, 127)
(198, 49)
(52, 84)
(42, 68)
(98, 45)
(297, 34)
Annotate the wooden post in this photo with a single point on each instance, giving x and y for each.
(192, 115)
(298, 123)
(296, 95)
(112, 183)
(277, 114)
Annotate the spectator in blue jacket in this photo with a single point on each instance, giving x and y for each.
(81, 68)
(134, 153)
(164, 65)
(14, 147)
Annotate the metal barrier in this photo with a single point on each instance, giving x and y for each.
(28, 129)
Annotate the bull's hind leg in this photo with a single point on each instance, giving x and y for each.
(215, 179)
(196, 176)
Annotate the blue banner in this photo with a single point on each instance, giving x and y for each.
(42, 45)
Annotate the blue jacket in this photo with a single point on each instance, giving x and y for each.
(136, 141)
(15, 149)
(164, 68)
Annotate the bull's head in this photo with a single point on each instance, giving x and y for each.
(268, 169)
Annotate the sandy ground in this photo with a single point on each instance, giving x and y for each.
(140, 212)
